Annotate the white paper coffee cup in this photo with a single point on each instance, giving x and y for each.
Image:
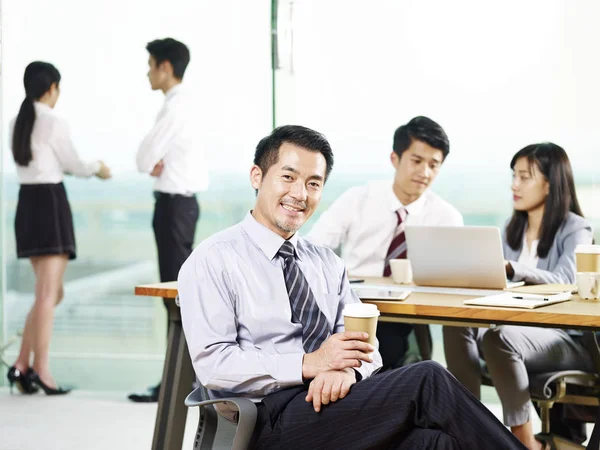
(361, 317)
(588, 285)
(588, 258)
(401, 271)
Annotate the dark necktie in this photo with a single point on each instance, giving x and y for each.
(315, 328)
(397, 248)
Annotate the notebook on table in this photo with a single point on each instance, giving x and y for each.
(548, 289)
(520, 300)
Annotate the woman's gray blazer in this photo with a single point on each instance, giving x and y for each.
(559, 265)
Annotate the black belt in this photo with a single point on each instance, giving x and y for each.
(158, 195)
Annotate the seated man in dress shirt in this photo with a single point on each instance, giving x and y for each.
(171, 153)
(368, 222)
(262, 314)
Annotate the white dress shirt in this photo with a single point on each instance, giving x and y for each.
(52, 150)
(174, 140)
(363, 221)
(236, 310)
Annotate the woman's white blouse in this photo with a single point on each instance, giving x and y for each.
(52, 149)
(529, 256)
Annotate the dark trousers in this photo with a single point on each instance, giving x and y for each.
(420, 406)
(393, 342)
(174, 224)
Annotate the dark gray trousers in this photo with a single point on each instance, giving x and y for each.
(511, 353)
(420, 406)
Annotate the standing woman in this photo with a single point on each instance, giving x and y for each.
(43, 152)
(539, 247)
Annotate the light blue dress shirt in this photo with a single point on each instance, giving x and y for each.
(236, 312)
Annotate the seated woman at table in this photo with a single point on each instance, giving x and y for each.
(539, 247)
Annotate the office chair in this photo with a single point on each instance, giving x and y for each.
(208, 420)
(569, 387)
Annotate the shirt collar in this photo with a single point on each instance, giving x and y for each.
(413, 208)
(268, 241)
(174, 90)
(42, 106)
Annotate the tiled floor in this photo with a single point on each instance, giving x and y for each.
(80, 420)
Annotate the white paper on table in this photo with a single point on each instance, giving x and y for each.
(518, 300)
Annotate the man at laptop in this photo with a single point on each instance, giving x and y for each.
(368, 221)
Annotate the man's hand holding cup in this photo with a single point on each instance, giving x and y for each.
(348, 349)
(338, 352)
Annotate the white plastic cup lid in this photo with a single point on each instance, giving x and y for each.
(588, 249)
(360, 310)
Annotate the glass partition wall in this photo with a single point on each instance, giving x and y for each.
(496, 77)
(104, 337)
(3, 338)
(353, 71)
(516, 75)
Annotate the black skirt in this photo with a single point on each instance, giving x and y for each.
(43, 222)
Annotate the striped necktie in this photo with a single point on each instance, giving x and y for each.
(315, 328)
(397, 249)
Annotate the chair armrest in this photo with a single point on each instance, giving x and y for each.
(246, 418)
(543, 386)
(243, 404)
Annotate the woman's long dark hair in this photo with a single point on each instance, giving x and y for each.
(553, 162)
(39, 77)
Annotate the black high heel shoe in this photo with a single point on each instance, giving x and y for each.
(36, 381)
(22, 380)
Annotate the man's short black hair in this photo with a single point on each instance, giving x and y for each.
(170, 50)
(267, 150)
(422, 129)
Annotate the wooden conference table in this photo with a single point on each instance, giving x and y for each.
(434, 308)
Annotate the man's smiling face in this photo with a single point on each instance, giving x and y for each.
(290, 191)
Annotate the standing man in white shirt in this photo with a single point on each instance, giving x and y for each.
(368, 221)
(171, 153)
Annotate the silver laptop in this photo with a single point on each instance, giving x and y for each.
(468, 257)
